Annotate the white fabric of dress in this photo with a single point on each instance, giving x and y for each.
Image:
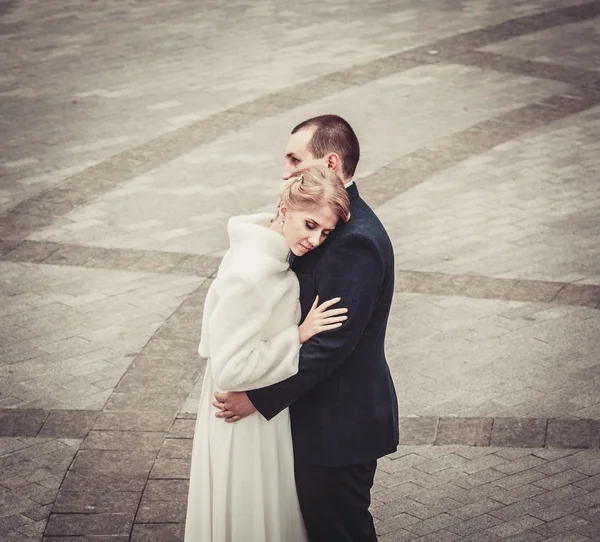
(242, 486)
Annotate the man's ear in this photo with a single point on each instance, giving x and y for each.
(334, 162)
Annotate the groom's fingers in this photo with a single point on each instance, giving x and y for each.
(228, 416)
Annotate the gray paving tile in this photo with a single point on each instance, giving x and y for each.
(32, 470)
(21, 423)
(157, 512)
(516, 526)
(27, 251)
(65, 424)
(165, 491)
(123, 440)
(133, 421)
(474, 431)
(85, 502)
(89, 524)
(151, 532)
(572, 434)
(176, 448)
(418, 431)
(510, 64)
(170, 469)
(518, 432)
(587, 295)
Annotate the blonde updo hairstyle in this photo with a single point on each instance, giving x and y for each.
(317, 186)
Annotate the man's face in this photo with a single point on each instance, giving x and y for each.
(297, 156)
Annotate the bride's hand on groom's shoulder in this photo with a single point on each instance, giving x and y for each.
(233, 405)
(321, 319)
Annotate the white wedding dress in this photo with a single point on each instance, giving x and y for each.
(242, 486)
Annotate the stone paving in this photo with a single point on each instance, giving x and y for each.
(131, 132)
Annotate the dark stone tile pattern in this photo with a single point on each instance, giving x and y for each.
(153, 261)
(469, 431)
(418, 282)
(121, 454)
(123, 431)
(128, 481)
(431, 493)
(528, 291)
(21, 423)
(505, 432)
(40, 211)
(415, 167)
(543, 70)
(513, 28)
(420, 490)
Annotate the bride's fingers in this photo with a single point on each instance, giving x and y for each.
(333, 312)
(326, 304)
(335, 319)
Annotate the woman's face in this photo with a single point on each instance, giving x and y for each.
(306, 229)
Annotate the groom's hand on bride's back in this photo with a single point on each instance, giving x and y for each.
(233, 405)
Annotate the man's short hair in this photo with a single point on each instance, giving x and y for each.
(333, 134)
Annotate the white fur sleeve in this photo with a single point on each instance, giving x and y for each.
(240, 359)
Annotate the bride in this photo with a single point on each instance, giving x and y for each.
(242, 485)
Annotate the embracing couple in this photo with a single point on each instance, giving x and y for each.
(297, 401)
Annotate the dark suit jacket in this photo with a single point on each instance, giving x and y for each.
(342, 401)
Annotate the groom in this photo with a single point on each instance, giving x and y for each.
(342, 401)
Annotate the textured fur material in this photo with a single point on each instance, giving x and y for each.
(246, 329)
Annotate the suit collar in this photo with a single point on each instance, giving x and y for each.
(352, 191)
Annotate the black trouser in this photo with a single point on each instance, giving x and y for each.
(335, 501)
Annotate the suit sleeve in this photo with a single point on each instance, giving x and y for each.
(354, 271)
(240, 358)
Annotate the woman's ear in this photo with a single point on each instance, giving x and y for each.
(282, 209)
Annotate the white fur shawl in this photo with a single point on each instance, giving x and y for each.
(251, 313)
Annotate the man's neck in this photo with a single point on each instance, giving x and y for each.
(349, 183)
